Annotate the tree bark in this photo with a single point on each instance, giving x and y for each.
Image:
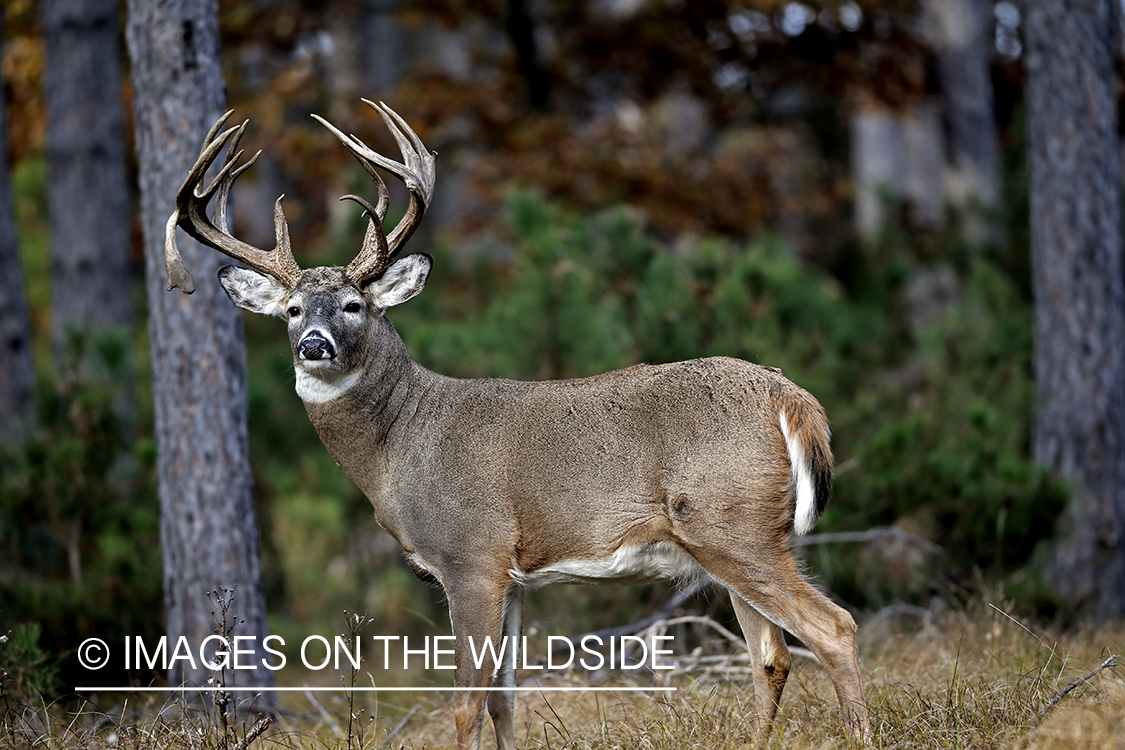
(961, 34)
(17, 376)
(896, 164)
(88, 193)
(382, 56)
(209, 533)
(1077, 278)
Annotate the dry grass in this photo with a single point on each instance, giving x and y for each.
(970, 679)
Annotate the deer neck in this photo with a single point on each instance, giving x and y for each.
(364, 422)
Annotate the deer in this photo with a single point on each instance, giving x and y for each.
(702, 468)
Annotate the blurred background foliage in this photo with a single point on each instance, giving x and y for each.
(618, 182)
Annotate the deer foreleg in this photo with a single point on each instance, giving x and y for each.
(476, 609)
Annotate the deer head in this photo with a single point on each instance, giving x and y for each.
(328, 309)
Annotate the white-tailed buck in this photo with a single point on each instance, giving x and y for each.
(700, 468)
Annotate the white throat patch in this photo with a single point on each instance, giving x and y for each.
(317, 389)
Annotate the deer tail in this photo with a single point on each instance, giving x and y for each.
(804, 426)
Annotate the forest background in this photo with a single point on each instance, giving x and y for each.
(839, 190)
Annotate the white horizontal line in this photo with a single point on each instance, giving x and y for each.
(118, 689)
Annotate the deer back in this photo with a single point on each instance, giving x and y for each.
(554, 470)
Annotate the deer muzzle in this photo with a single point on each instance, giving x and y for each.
(316, 346)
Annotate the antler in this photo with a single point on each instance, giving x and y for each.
(416, 171)
(191, 214)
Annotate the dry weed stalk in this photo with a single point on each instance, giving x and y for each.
(1109, 663)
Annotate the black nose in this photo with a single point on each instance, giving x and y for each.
(315, 346)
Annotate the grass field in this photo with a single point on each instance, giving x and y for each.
(971, 678)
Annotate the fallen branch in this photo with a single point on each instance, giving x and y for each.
(663, 625)
(877, 534)
(260, 726)
(659, 628)
(1110, 663)
(742, 657)
(323, 714)
(677, 601)
(399, 727)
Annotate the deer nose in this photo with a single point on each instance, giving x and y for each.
(316, 346)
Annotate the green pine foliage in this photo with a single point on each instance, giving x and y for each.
(27, 671)
(79, 514)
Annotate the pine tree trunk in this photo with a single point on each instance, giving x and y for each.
(961, 34)
(89, 198)
(209, 533)
(17, 376)
(1078, 287)
(896, 164)
(383, 56)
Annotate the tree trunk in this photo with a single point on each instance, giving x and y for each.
(17, 376)
(520, 27)
(208, 528)
(896, 164)
(961, 34)
(89, 198)
(1077, 278)
(382, 56)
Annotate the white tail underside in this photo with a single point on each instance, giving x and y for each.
(805, 516)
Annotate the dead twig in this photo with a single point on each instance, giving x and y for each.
(323, 714)
(260, 726)
(877, 534)
(399, 727)
(677, 601)
(687, 662)
(1026, 630)
(661, 625)
(1109, 663)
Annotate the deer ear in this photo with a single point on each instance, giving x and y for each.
(402, 281)
(254, 291)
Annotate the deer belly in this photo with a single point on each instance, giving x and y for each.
(634, 564)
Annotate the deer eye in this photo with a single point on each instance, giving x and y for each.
(294, 311)
(352, 307)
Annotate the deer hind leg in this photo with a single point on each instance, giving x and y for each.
(771, 584)
(476, 609)
(501, 705)
(769, 657)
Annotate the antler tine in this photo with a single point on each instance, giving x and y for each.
(191, 215)
(384, 199)
(374, 248)
(421, 166)
(418, 174)
(374, 241)
(226, 178)
(178, 275)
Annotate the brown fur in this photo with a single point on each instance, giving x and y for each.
(536, 473)
(651, 471)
